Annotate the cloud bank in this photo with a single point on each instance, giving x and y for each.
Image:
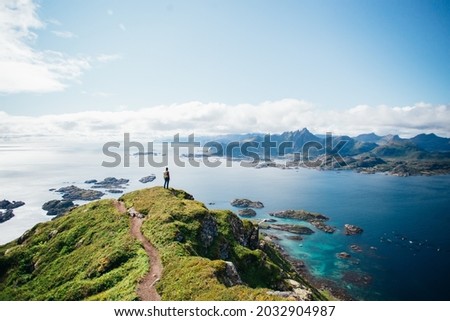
(216, 118)
(23, 68)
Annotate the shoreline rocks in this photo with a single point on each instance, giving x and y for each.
(110, 183)
(247, 212)
(74, 193)
(147, 179)
(243, 202)
(315, 219)
(8, 208)
(6, 215)
(7, 205)
(294, 229)
(352, 229)
(58, 207)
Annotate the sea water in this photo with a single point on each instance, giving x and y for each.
(405, 244)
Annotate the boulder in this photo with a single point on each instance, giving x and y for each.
(231, 276)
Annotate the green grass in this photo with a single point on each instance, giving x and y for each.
(89, 254)
(86, 254)
(193, 268)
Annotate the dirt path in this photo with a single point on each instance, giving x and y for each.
(146, 289)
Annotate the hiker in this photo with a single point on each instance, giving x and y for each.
(166, 176)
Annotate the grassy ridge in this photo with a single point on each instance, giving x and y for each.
(87, 254)
(194, 265)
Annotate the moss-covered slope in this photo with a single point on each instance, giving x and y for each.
(89, 254)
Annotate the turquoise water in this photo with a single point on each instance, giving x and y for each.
(405, 244)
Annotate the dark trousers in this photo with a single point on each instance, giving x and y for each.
(166, 182)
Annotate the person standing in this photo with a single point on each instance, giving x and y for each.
(166, 176)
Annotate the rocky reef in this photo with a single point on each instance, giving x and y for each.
(8, 208)
(243, 202)
(147, 179)
(247, 212)
(58, 207)
(74, 193)
(350, 229)
(317, 220)
(291, 228)
(6, 215)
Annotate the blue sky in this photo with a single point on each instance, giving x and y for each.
(330, 57)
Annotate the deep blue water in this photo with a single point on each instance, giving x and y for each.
(407, 219)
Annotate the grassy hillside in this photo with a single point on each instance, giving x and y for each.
(89, 254)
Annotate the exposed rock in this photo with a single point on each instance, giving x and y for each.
(208, 231)
(7, 205)
(295, 237)
(245, 235)
(57, 207)
(299, 215)
(111, 183)
(356, 248)
(231, 276)
(243, 202)
(352, 229)
(247, 212)
(343, 255)
(91, 181)
(114, 191)
(6, 215)
(133, 213)
(52, 234)
(271, 220)
(73, 193)
(294, 229)
(147, 179)
(316, 219)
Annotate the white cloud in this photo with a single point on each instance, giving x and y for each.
(64, 34)
(23, 68)
(216, 118)
(122, 27)
(108, 58)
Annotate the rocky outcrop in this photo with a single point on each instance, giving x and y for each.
(294, 229)
(208, 231)
(352, 229)
(231, 276)
(317, 220)
(133, 213)
(6, 215)
(147, 179)
(247, 212)
(111, 183)
(298, 292)
(58, 207)
(74, 193)
(343, 255)
(7, 205)
(243, 202)
(114, 191)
